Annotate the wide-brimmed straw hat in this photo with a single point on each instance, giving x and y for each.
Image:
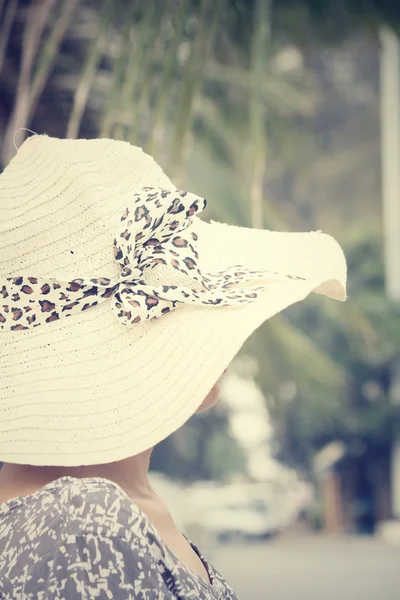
(119, 307)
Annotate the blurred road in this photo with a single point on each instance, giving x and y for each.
(312, 569)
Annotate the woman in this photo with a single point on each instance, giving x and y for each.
(119, 311)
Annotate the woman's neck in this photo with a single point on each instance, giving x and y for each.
(131, 474)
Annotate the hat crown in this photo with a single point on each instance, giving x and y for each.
(61, 204)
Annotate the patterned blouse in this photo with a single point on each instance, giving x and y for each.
(84, 539)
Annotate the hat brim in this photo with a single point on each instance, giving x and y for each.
(88, 390)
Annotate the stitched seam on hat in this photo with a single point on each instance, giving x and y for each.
(120, 407)
(63, 222)
(37, 167)
(89, 226)
(75, 376)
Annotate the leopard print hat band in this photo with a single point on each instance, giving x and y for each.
(156, 230)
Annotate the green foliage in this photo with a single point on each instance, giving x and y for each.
(203, 449)
(363, 337)
(334, 20)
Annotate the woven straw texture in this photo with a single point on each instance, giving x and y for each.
(88, 389)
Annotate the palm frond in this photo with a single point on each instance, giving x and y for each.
(201, 48)
(163, 91)
(135, 56)
(9, 14)
(89, 70)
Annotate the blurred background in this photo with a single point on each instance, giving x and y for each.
(285, 114)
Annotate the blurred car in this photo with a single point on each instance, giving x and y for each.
(242, 520)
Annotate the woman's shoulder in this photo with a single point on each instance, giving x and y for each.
(97, 505)
(72, 506)
(70, 519)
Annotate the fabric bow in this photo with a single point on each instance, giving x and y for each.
(155, 231)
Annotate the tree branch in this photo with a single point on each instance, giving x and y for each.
(9, 14)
